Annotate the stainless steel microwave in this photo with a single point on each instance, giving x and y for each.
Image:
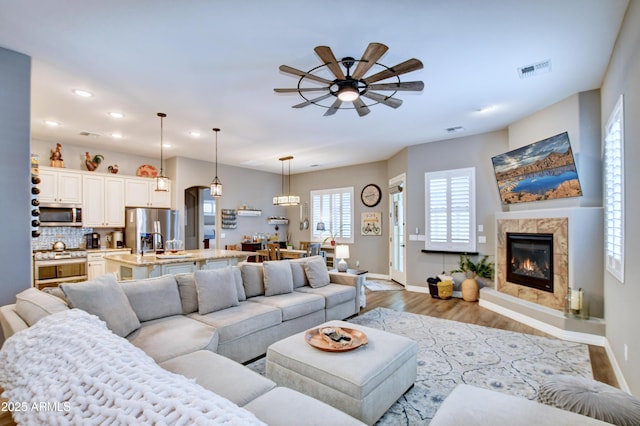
(60, 216)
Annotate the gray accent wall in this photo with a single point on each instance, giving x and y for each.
(621, 299)
(15, 112)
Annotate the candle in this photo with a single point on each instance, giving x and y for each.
(576, 300)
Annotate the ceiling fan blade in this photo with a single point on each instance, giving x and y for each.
(333, 108)
(369, 58)
(414, 86)
(301, 89)
(307, 103)
(402, 68)
(330, 61)
(387, 100)
(290, 70)
(361, 108)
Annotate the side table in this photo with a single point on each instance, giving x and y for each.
(351, 271)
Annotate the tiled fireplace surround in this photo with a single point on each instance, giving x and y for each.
(578, 263)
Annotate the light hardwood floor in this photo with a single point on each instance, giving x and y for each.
(471, 312)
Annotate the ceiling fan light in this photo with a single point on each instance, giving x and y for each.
(348, 94)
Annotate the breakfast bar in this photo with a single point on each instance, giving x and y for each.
(137, 266)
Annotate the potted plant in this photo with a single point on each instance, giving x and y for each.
(483, 269)
(332, 236)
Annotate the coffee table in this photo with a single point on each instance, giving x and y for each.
(364, 382)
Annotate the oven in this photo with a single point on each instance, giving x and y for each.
(52, 268)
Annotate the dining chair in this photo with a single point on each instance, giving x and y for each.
(273, 251)
(304, 245)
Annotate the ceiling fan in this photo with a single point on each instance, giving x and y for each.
(352, 87)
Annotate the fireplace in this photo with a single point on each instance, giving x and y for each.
(530, 260)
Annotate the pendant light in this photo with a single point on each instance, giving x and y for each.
(286, 199)
(162, 182)
(216, 185)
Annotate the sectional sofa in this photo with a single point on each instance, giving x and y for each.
(203, 324)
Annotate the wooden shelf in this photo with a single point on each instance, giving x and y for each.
(249, 212)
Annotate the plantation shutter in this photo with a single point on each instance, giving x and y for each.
(450, 210)
(614, 192)
(333, 207)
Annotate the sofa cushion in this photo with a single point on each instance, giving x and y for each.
(221, 375)
(216, 290)
(317, 272)
(297, 272)
(153, 298)
(33, 304)
(237, 277)
(242, 320)
(293, 305)
(55, 291)
(334, 294)
(188, 293)
(277, 277)
(252, 279)
(106, 299)
(166, 338)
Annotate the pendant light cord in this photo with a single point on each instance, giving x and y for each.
(161, 115)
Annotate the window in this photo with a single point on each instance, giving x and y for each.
(614, 192)
(450, 202)
(333, 207)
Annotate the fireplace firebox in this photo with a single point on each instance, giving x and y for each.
(530, 260)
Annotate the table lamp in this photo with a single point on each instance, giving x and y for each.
(342, 253)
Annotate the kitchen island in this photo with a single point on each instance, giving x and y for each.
(138, 266)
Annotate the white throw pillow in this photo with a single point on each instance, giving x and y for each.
(277, 277)
(297, 271)
(216, 290)
(252, 279)
(317, 272)
(33, 305)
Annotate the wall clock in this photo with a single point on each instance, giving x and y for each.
(371, 195)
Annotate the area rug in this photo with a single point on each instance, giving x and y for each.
(381, 285)
(451, 352)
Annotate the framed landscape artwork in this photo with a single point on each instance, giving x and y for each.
(544, 170)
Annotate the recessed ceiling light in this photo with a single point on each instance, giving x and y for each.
(51, 123)
(116, 135)
(166, 145)
(115, 114)
(82, 93)
(194, 133)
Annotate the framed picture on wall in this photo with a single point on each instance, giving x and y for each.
(371, 223)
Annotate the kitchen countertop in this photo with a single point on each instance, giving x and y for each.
(194, 256)
(108, 249)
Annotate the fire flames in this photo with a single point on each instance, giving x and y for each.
(530, 268)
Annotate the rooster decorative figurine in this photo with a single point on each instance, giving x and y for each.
(92, 163)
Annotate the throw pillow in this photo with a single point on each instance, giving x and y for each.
(277, 277)
(216, 290)
(104, 298)
(297, 270)
(33, 305)
(252, 279)
(188, 292)
(153, 298)
(317, 272)
(237, 276)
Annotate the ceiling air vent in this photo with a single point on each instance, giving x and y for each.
(455, 129)
(535, 69)
(95, 135)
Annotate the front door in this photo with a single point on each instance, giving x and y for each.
(397, 244)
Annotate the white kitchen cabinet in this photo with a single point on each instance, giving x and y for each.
(141, 192)
(60, 186)
(96, 265)
(179, 268)
(103, 201)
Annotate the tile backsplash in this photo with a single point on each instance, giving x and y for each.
(71, 236)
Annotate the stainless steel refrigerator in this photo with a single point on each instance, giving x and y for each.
(147, 230)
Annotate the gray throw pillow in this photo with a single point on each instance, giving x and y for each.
(33, 305)
(237, 276)
(317, 272)
(277, 277)
(252, 279)
(188, 292)
(297, 271)
(216, 290)
(104, 298)
(153, 298)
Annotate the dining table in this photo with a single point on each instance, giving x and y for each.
(263, 254)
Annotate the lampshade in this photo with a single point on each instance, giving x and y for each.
(162, 182)
(216, 185)
(286, 199)
(348, 94)
(320, 226)
(342, 251)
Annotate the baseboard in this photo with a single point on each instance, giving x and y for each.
(416, 289)
(377, 276)
(573, 336)
(622, 383)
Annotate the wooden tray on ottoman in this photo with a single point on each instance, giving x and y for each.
(316, 339)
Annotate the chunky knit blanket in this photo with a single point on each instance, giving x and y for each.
(69, 369)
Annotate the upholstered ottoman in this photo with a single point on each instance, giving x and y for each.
(363, 382)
